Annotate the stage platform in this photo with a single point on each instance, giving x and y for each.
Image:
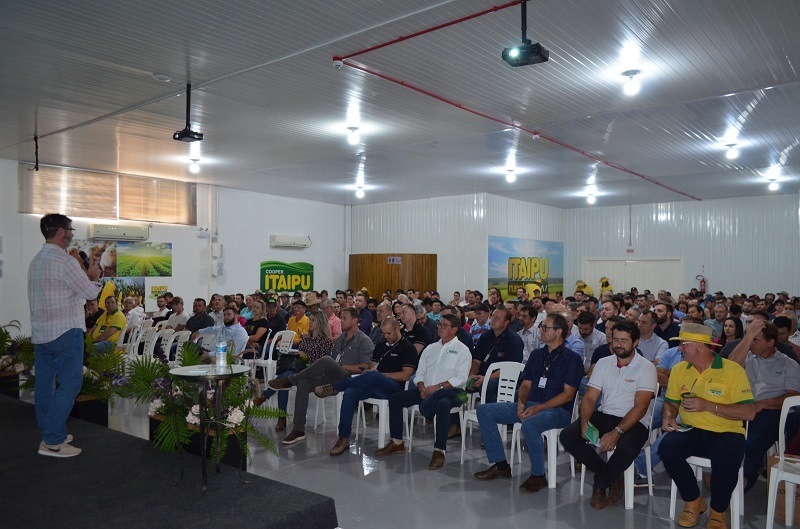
(122, 481)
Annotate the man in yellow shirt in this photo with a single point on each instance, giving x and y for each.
(713, 396)
(299, 321)
(106, 331)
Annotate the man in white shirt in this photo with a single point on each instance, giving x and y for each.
(57, 290)
(217, 304)
(132, 316)
(229, 330)
(163, 312)
(650, 345)
(627, 383)
(440, 379)
(179, 317)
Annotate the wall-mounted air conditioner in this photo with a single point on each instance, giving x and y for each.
(289, 241)
(119, 233)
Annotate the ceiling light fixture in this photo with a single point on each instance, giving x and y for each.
(194, 167)
(732, 152)
(187, 134)
(528, 52)
(359, 193)
(774, 186)
(632, 85)
(591, 199)
(353, 136)
(511, 176)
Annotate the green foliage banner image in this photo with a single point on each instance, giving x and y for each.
(280, 276)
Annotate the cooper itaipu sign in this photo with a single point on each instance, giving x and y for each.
(277, 275)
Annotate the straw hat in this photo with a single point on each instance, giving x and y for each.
(311, 299)
(694, 332)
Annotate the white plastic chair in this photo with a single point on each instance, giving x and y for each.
(145, 334)
(383, 417)
(159, 325)
(787, 470)
(178, 338)
(458, 409)
(163, 335)
(553, 444)
(506, 387)
(629, 474)
(269, 365)
(737, 497)
(258, 355)
(130, 337)
(120, 346)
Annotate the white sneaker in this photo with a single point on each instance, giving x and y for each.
(69, 438)
(63, 450)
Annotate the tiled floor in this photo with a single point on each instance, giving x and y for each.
(399, 491)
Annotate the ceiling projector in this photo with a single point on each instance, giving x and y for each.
(187, 135)
(525, 54)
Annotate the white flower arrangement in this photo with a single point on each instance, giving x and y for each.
(155, 407)
(235, 418)
(193, 417)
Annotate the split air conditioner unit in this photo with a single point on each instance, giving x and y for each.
(119, 233)
(289, 241)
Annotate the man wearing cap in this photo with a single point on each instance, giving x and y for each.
(275, 322)
(481, 323)
(773, 376)
(713, 396)
(299, 321)
(627, 383)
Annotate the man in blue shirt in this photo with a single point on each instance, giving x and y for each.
(497, 345)
(549, 384)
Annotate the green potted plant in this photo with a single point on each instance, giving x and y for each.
(174, 410)
(16, 358)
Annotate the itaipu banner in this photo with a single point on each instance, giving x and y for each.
(280, 276)
(537, 266)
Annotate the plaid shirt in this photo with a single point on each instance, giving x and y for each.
(57, 291)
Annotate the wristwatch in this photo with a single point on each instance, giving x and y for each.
(619, 430)
(441, 385)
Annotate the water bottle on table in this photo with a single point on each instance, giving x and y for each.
(222, 353)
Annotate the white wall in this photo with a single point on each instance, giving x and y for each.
(244, 220)
(738, 244)
(456, 228)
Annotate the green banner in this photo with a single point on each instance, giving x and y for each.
(277, 275)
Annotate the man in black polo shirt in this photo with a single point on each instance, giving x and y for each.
(393, 363)
(413, 331)
(275, 322)
(498, 345)
(92, 311)
(200, 319)
(666, 328)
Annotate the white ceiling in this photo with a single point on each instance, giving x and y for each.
(274, 109)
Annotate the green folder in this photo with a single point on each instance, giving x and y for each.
(593, 434)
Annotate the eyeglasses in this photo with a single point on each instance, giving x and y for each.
(545, 327)
(443, 325)
(68, 229)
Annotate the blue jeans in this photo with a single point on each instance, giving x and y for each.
(762, 434)
(490, 415)
(63, 359)
(370, 384)
(726, 452)
(436, 406)
(283, 396)
(104, 346)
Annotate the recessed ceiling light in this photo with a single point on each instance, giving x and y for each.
(163, 77)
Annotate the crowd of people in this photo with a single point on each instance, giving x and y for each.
(698, 367)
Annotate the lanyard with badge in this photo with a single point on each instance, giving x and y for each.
(389, 347)
(543, 378)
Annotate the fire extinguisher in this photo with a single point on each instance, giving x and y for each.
(702, 284)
